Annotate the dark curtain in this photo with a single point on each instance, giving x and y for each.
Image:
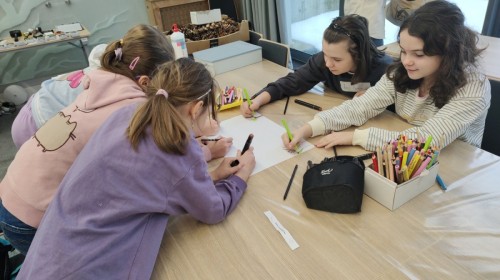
(226, 7)
(491, 26)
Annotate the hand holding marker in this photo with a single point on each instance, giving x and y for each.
(247, 97)
(245, 148)
(290, 136)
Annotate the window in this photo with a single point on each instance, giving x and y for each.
(474, 12)
(311, 17)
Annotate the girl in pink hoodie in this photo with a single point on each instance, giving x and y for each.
(40, 164)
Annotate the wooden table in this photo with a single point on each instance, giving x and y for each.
(489, 60)
(69, 38)
(437, 235)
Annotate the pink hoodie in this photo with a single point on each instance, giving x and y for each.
(41, 163)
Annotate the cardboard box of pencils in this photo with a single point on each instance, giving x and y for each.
(393, 195)
(229, 98)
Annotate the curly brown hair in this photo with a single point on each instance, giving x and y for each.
(440, 25)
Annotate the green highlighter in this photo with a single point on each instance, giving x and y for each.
(427, 143)
(289, 133)
(247, 97)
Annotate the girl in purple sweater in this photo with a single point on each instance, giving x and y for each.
(141, 166)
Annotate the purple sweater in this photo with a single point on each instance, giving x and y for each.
(109, 215)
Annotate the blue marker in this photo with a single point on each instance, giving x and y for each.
(410, 155)
(440, 182)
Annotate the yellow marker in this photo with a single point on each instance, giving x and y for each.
(405, 174)
(413, 162)
(405, 158)
(419, 162)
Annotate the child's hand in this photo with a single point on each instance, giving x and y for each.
(219, 148)
(225, 169)
(336, 138)
(247, 111)
(302, 133)
(246, 164)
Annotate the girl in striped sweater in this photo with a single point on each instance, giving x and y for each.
(435, 86)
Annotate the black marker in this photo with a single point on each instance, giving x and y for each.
(286, 105)
(309, 105)
(210, 139)
(245, 148)
(290, 182)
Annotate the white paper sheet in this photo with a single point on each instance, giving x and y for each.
(268, 147)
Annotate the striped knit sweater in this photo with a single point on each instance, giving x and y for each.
(463, 117)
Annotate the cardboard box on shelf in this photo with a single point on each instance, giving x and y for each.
(229, 56)
(393, 195)
(203, 17)
(242, 35)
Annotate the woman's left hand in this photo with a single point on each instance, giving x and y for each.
(336, 138)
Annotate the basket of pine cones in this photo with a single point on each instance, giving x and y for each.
(210, 30)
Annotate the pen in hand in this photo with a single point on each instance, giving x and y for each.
(289, 133)
(249, 101)
(245, 148)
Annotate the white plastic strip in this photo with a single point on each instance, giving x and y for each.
(286, 235)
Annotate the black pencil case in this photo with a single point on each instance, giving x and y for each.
(335, 185)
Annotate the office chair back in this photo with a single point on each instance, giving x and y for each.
(254, 37)
(275, 52)
(491, 133)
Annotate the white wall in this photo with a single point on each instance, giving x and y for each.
(106, 20)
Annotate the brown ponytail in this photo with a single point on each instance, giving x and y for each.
(184, 81)
(142, 41)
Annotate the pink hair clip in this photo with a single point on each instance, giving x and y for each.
(133, 63)
(162, 92)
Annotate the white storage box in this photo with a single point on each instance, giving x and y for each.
(229, 57)
(392, 195)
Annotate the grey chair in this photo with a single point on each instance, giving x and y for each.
(275, 52)
(254, 37)
(491, 132)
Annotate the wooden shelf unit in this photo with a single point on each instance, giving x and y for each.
(164, 13)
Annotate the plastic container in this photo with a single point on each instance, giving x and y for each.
(178, 43)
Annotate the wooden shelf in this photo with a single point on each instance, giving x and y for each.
(164, 13)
